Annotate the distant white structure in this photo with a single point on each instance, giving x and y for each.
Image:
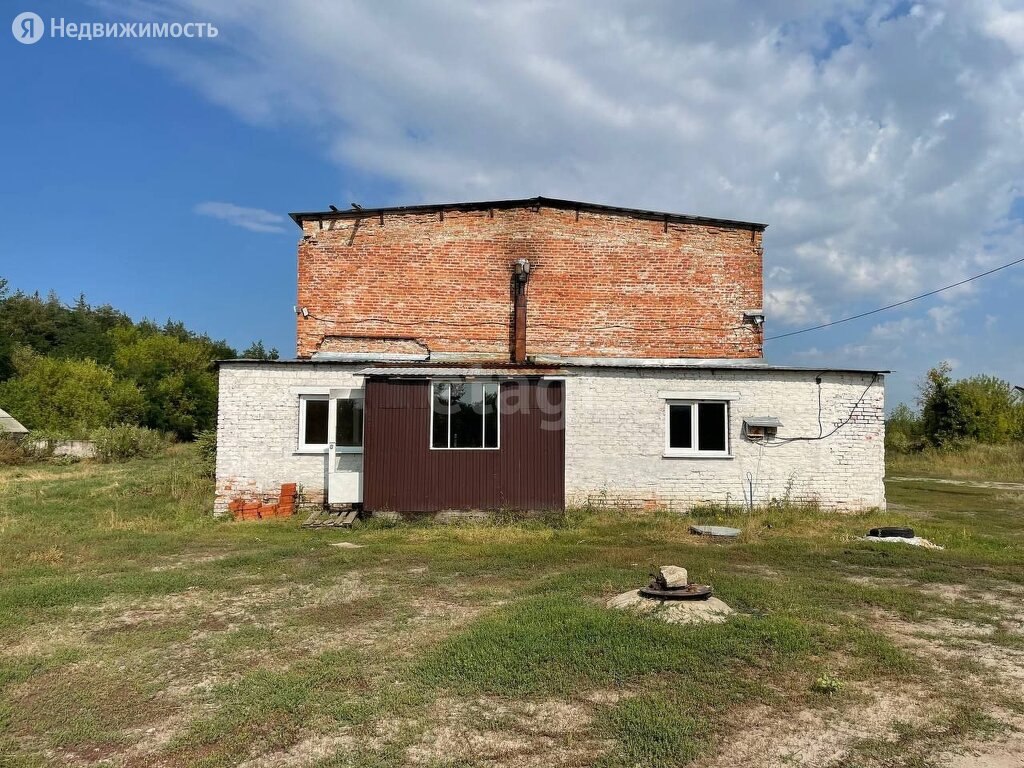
(10, 425)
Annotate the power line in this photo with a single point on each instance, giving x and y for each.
(898, 303)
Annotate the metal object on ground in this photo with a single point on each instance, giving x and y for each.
(715, 530)
(656, 591)
(890, 531)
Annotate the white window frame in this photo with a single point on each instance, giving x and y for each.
(332, 407)
(497, 406)
(694, 452)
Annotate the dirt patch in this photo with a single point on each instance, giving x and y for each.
(1007, 598)
(210, 611)
(817, 738)
(306, 752)
(188, 562)
(497, 733)
(84, 710)
(954, 642)
(348, 613)
(608, 696)
(1006, 752)
(957, 642)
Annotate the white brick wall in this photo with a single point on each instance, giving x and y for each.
(615, 435)
(615, 439)
(258, 427)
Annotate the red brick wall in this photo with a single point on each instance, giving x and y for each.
(446, 282)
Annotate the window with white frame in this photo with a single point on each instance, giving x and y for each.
(464, 414)
(314, 423)
(696, 428)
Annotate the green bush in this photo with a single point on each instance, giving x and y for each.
(127, 441)
(72, 396)
(904, 431)
(176, 377)
(954, 414)
(80, 367)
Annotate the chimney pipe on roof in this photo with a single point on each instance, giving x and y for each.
(520, 276)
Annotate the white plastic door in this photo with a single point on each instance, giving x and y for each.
(344, 463)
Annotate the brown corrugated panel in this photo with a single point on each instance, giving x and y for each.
(403, 474)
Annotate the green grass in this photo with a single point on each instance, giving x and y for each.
(656, 729)
(973, 462)
(548, 646)
(126, 611)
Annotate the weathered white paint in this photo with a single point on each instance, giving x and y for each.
(615, 439)
(615, 435)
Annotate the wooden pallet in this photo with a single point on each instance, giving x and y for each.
(331, 518)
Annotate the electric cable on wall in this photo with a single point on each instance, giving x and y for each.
(843, 423)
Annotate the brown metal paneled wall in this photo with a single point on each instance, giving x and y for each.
(401, 472)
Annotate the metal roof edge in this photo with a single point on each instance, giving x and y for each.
(724, 364)
(547, 202)
(553, 361)
(287, 361)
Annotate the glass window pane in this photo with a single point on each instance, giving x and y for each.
(490, 415)
(349, 429)
(711, 426)
(467, 423)
(680, 426)
(439, 404)
(316, 422)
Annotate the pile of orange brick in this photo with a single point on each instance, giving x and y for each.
(255, 509)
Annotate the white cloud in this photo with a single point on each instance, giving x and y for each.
(253, 219)
(797, 305)
(882, 165)
(945, 317)
(884, 158)
(906, 329)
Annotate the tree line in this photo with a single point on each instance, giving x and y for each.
(952, 413)
(70, 369)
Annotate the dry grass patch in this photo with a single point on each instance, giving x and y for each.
(85, 711)
(824, 736)
(495, 732)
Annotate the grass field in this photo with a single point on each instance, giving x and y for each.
(135, 630)
(1001, 463)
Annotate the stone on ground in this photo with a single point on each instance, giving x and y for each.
(346, 545)
(672, 611)
(672, 576)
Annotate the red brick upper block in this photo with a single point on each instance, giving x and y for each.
(601, 284)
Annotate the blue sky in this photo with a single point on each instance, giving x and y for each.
(880, 141)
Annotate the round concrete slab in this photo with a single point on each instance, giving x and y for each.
(672, 611)
(720, 531)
